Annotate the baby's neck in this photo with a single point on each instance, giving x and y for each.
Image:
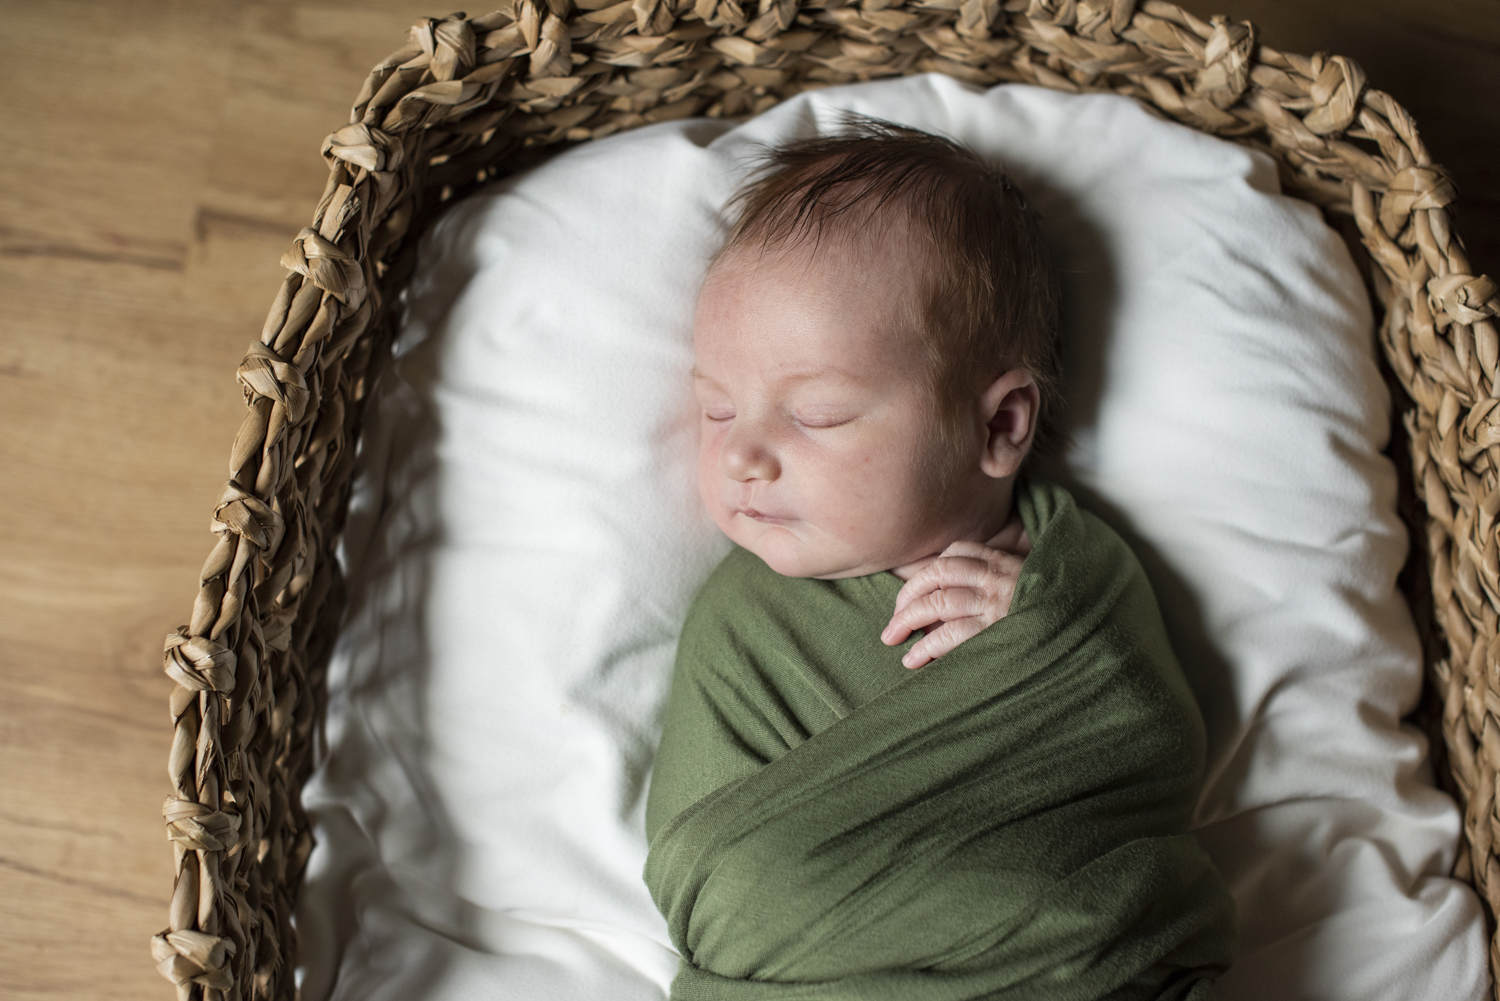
(1010, 537)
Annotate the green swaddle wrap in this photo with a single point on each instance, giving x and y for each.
(1007, 822)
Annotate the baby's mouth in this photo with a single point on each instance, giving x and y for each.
(750, 512)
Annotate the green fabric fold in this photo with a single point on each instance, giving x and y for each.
(1007, 822)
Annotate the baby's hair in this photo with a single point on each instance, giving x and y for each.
(991, 302)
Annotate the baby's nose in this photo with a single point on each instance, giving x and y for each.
(746, 455)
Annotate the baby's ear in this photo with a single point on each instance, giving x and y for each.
(1012, 403)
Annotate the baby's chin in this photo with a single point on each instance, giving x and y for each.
(790, 556)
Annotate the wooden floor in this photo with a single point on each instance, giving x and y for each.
(159, 155)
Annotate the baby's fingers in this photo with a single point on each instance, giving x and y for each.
(940, 641)
(944, 572)
(941, 605)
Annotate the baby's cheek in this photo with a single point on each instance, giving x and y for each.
(856, 492)
(889, 493)
(879, 468)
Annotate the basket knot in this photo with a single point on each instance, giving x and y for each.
(197, 826)
(1063, 13)
(1335, 95)
(449, 42)
(1098, 20)
(263, 372)
(1464, 298)
(1103, 20)
(194, 957)
(977, 19)
(249, 517)
(1481, 429)
(198, 663)
(1226, 62)
(364, 146)
(326, 266)
(1411, 189)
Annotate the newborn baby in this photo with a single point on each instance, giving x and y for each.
(875, 355)
(845, 427)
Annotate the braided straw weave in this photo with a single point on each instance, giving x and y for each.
(467, 100)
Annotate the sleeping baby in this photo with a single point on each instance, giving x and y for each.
(926, 737)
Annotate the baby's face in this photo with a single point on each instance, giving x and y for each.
(817, 446)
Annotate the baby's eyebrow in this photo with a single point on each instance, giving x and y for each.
(793, 377)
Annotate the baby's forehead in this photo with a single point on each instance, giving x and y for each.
(889, 258)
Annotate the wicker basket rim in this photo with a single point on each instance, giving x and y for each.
(466, 100)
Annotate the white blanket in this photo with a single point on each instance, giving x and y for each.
(525, 537)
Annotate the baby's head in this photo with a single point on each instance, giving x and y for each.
(875, 351)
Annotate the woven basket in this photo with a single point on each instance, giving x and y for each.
(468, 100)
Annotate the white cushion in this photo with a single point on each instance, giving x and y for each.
(526, 537)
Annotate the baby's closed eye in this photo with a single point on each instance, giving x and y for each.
(822, 420)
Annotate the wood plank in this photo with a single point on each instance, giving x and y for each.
(164, 153)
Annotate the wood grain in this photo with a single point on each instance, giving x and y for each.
(161, 156)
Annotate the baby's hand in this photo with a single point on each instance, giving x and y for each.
(966, 588)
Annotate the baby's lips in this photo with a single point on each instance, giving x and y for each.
(752, 513)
